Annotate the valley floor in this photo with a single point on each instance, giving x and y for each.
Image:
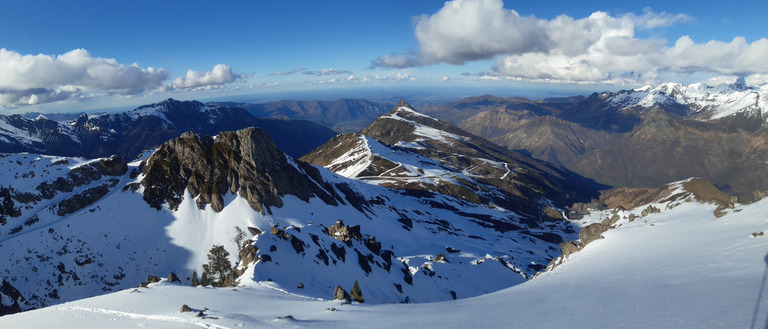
(681, 268)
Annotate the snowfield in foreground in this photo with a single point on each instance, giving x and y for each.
(681, 268)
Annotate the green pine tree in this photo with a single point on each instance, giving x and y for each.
(204, 280)
(195, 280)
(219, 268)
(356, 294)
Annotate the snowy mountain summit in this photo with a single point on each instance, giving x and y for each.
(699, 100)
(405, 149)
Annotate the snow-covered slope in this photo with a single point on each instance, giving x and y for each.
(680, 268)
(75, 228)
(704, 101)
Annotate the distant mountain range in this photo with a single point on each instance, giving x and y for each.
(617, 139)
(342, 115)
(643, 138)
(127, 134)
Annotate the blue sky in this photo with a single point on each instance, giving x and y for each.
(60, 56)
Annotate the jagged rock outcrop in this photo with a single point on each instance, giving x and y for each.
(173, 278)
(83, 175)
(342, 232)
(11, 300)
(592, 232)
(57, 178)
(340, 294)
(245, 162)
(150, 279)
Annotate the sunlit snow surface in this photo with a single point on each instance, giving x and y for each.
(681, 268)
(713, 102)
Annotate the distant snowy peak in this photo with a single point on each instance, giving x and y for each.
(703, 101)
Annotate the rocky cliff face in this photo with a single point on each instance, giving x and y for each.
(444, 234)
(245, 162)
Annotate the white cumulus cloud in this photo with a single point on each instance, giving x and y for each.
(35, 79)
(220, 75)
(598, 48)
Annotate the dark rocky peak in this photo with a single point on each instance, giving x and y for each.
(245, 162)
(171, 104)
(405, 124)
(403, 103)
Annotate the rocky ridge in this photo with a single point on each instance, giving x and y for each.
(407, 150)
(245, 162)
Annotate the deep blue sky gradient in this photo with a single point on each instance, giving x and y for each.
(258, 38)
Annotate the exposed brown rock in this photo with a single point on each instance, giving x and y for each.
(248, 253)
(569, 247)
(254, 231)
(591, 233)
(245, 162)
(340, 294)
(173, 278)
(342, 232)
